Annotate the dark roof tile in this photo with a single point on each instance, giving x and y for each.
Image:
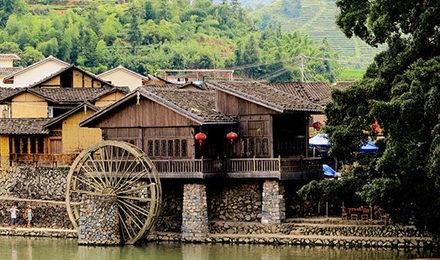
(266, 95)
(315, 92)
(196, 103)
(23, 126)
(7, 71)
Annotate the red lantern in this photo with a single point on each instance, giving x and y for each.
(376, 128)
(200, 138)
(232, 136)
(316, 126)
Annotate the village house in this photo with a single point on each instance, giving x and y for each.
(42, 123)
(236, 145)
(123, 77)
(7, 66)
(34, 73)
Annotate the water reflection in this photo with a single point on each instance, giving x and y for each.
(47, 249)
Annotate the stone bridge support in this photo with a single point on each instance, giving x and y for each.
(273, 204)
(195, 212)
(99, 221)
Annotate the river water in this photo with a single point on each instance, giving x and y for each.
(17, 248)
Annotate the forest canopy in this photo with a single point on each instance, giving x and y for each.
(145, 35)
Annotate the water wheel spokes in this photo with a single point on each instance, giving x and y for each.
(123, 171)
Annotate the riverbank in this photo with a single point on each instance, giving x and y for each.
(267, 238)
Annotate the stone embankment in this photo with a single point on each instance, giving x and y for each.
(39, 232)
(36, 183)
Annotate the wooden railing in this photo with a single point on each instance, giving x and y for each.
(268, 165)
(188, 165)
(176, 166)
(253, 165)
(44, 159)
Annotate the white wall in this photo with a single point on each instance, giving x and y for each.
(122, 78)
(36, 73)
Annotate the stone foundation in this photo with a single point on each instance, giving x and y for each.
(273, 209)
(170, 217)
(99, 221)
(235, 200)
(195, 212)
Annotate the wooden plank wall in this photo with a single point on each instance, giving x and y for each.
(145, 114)
(234, 106)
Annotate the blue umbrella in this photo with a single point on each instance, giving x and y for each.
(328, 171)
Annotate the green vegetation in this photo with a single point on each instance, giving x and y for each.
(347, 74)
(317, 19)
(401, 91)
(151, 34)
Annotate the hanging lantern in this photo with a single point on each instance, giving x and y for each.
(200, 138)
(316, 126)
(232, 136)
(375, 127)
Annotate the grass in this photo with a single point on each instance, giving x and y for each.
(351, 74)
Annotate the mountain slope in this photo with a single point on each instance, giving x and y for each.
(317, 18)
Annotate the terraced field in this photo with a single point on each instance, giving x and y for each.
(317, 19)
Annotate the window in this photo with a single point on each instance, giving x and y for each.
(177, 147)
(184, 148)
(156, 148)
(50, 112)
(150, 148)
(256, 128)
(170, 148)
(163, 149)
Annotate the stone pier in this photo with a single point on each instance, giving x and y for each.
(99, 221)
(273, 204)
(195, 212)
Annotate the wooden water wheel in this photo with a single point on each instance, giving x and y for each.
(121, 170)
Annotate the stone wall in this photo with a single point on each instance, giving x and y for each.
(234, 200)
(274, 209)
(36, 183)
(195, 211)
(99, 221)
(170, 216)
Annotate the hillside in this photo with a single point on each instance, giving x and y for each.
(317, 19)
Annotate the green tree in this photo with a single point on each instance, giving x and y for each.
(149, 13)
(250, 55)
(8, 7)
(30, 56)
(134, 35)
(400, 90)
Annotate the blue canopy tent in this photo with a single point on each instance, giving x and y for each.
(321, 142)
(328, 171)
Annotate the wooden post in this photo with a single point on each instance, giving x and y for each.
(21, 146)
(36, 145)
(13, 145)
(45, 145)
(29, 145)
(254, 163)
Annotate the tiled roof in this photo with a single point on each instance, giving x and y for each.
(197, 104)
(26, 126)
(9, 56)
(265, 95)
(60, 118)
(7, 92)
(65, 95)
(7, 71)
(70, 95)
(319, 93)
(50, 58)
